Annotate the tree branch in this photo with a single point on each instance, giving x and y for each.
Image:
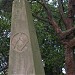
(66, 33)
(70, 18)
(61, 11)
(71, 43)
(51, 20)
(67, 21)
(40, 18)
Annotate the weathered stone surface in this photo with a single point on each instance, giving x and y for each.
(24, 56)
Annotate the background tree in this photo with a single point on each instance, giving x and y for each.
(66, 37)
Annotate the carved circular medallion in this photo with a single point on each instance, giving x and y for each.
(19, 41)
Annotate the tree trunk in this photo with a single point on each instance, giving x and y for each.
(69, 61)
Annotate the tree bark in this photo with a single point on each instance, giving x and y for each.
(69, 61)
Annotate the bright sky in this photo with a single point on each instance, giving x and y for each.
(50, 0)
(63, 70)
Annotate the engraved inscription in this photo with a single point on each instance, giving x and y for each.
(19, 41)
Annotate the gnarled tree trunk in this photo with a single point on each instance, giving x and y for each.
(66, 37)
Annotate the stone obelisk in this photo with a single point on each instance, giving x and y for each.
(24, 56)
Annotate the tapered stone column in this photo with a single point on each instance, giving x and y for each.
(24, 56)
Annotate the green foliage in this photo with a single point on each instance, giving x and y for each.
(51, 50)
(4, 39)
(4, 32)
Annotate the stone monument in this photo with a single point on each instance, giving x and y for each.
(24, 55)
